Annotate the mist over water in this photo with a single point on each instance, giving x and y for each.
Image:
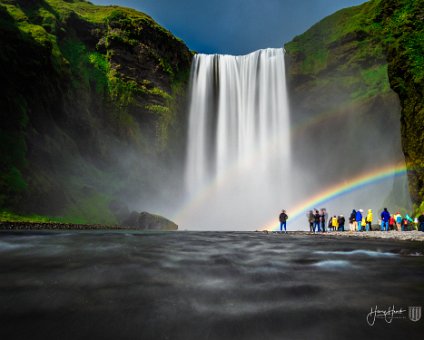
(249, 156)
(239, 139)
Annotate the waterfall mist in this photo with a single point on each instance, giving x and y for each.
(238, 141)
(248, 158)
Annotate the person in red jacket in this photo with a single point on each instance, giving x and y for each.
(392, 222)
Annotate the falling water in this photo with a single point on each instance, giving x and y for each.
(238, 140)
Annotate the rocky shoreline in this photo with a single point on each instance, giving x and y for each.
(136, 221)
(47, 226)
(58, 226)
(394, 235)
(389, 235)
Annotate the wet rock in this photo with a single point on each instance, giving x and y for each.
(147, 221)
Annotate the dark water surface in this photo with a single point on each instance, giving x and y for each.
(205, 285)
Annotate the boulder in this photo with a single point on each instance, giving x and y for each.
(147, 221)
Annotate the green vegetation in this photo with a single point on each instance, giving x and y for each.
(7, 216)
(93, 209)
(348, 42)
(402, 24)
(91, 87)
(355, 58)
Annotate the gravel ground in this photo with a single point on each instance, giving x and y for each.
(395, 235)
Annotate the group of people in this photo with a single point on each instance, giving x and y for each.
(319, 221)
(399, 223)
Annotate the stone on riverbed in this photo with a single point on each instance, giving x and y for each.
(147, 221)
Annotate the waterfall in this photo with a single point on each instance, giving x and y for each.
(238, 150)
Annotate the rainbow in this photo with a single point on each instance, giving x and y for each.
(373, 177)
(296, 130)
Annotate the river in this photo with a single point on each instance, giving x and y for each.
(206, 285)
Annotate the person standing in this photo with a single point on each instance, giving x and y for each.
(283, 221)
(405, 224)
(341, 222)
(416, 225)
(385, 217)
(334, 223)
(323, 219)
(317, 217)
(398, 220)
(421, 222)
(392, 222)
(352, 220)
(359, 219)
(311, 220)
(368, 220)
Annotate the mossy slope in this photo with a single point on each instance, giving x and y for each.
(348, 65)
(94, 97)
(402, 22)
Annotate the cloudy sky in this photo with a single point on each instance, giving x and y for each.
(235, 26)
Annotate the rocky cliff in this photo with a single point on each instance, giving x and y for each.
(344, 85)
(92, 108)
(402, 25)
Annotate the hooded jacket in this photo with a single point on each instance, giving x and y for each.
(359, 216)
(398, 218)
(352, 217)
(369, 216)
(385, 216)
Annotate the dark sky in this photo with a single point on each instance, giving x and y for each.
(235, 26)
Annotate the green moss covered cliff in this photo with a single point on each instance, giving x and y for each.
(358, 70)
(402, 24)
(91, 106)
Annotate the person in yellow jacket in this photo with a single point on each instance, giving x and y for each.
(398, 220)
(368, 220)
(334, 223)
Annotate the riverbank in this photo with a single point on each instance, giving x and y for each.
(393, 235)
(46, 226)
(58, 226)
(389, 235)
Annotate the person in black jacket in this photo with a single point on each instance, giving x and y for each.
(352, 220)
(311, 219)
(341, 221)
(317, 217)
(421, 222)
(283, 221)
(324, 216)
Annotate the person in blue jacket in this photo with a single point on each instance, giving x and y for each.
(359, 219)
(385, 217)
